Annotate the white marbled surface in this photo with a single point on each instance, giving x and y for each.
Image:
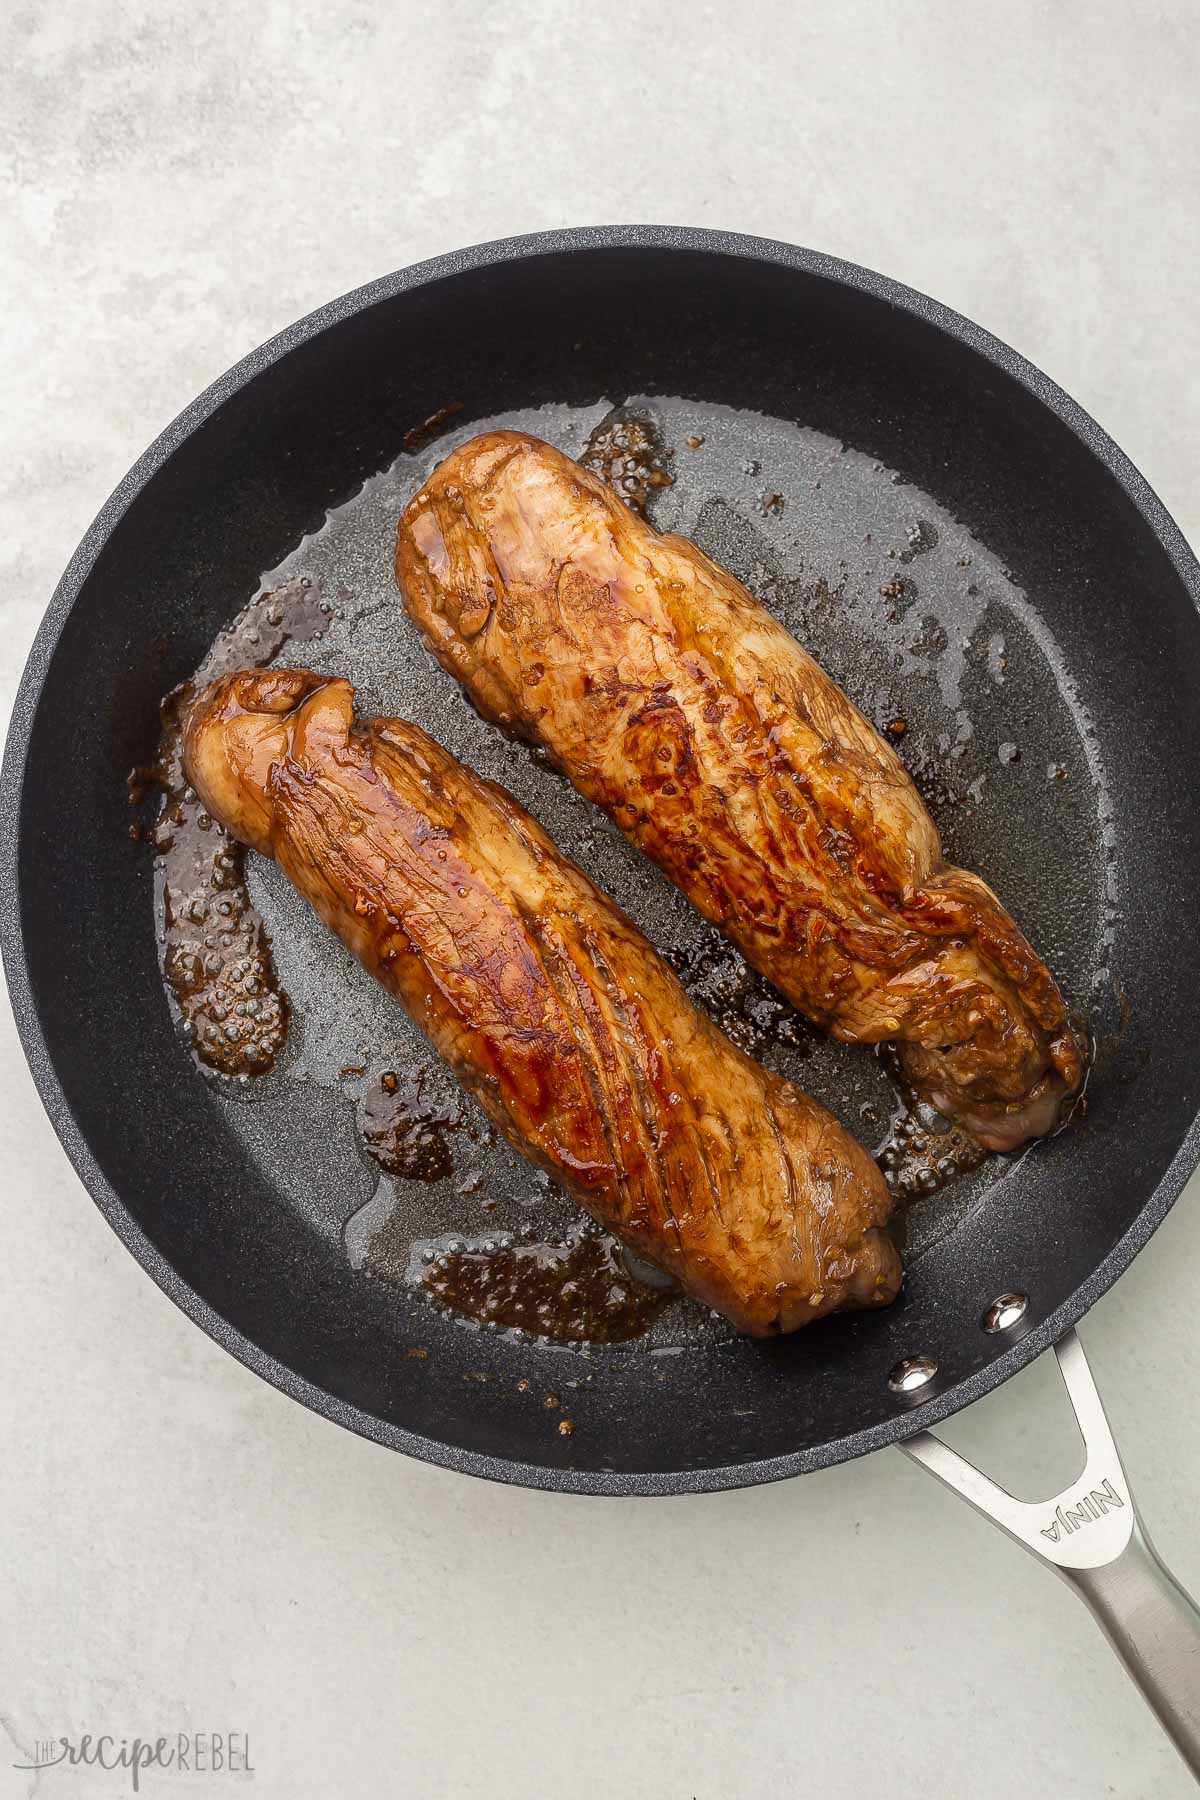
(182, 1547)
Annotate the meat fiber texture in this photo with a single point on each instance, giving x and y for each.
(547, 1003)
(672, 699)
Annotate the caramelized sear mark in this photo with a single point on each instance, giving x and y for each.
(550, 1007)
(670, 697)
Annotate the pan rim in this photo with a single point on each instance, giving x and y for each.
(906, 1420)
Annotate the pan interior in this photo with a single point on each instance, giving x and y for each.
(961, 563)
(914, 616)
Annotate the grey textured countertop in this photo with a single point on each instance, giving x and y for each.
(183, 1548)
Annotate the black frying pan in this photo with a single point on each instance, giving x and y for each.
(1053, 748)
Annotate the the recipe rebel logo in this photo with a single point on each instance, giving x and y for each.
(181, 1752)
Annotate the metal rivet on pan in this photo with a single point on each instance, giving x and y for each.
(1005, 1311)
(911, 1373)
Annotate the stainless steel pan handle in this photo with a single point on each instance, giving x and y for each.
(1092, 1536)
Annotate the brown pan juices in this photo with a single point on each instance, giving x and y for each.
(410, 1129)
(579, 1291)
(216, 954)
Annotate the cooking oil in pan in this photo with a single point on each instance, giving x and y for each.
(931, 637)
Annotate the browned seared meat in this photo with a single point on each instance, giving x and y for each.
(547, 1003)
(671, 698)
